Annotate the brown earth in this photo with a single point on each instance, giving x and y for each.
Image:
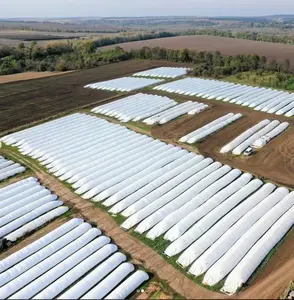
(27, 76)
(227, 46)
(32, 100)
(271, 282)
(275, 161)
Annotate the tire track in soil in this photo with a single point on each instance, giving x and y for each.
(286, 149)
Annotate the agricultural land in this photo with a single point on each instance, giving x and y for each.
(51, 84)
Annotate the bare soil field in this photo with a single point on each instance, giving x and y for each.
(28, 76)
(32, 100)
(226, 46)
(275, 161)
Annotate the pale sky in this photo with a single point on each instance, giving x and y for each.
(119, 8)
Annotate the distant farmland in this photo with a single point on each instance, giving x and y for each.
(226, 46)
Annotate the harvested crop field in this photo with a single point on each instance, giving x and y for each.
(274, 161)
(27, 76)
(227, 46)
(32, 100)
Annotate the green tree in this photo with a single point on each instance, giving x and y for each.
(185, 55)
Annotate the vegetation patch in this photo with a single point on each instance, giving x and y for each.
(264, 79)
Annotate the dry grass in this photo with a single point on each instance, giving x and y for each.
(28, 76)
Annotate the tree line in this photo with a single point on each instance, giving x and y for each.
(246, 35)
(213, 64)
(85, 54)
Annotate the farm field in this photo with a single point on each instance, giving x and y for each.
(177, 282)
(227, 46)
(275, 161)
(42, 98)
(283, 280)
(28, 76)
(14, 37)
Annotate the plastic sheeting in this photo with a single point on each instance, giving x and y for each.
(213, 129)
(252, 97)
(126, 172)
(110, 282)
(26, 209)
(30, 261)
(8, 228)
(239, 149)
(8, 168)
(158, 187)
(16, 184)
(5, 204)
(210, 204)
(185, 138)
(96, 185)
(134, 201)
(132, 188)
(146, 205)
(84, 174)
(178, 113)
(194, 209)
(76, 273)
(14, 190)
(172, 155)
(125, 84)
(269, 136)
(33, 225)
(257, 253)
(62, 259)
(128, 286)
(242, 137)
(135, 107)
(39, 269)
(216, 231)
(25, 201)
(165, 72)
(174, 112)
(210, 219)
(184, 196)
(65, 266)
(94, 277)
(50, 237)
(223, 266)
(236, 231)
(74, 170)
